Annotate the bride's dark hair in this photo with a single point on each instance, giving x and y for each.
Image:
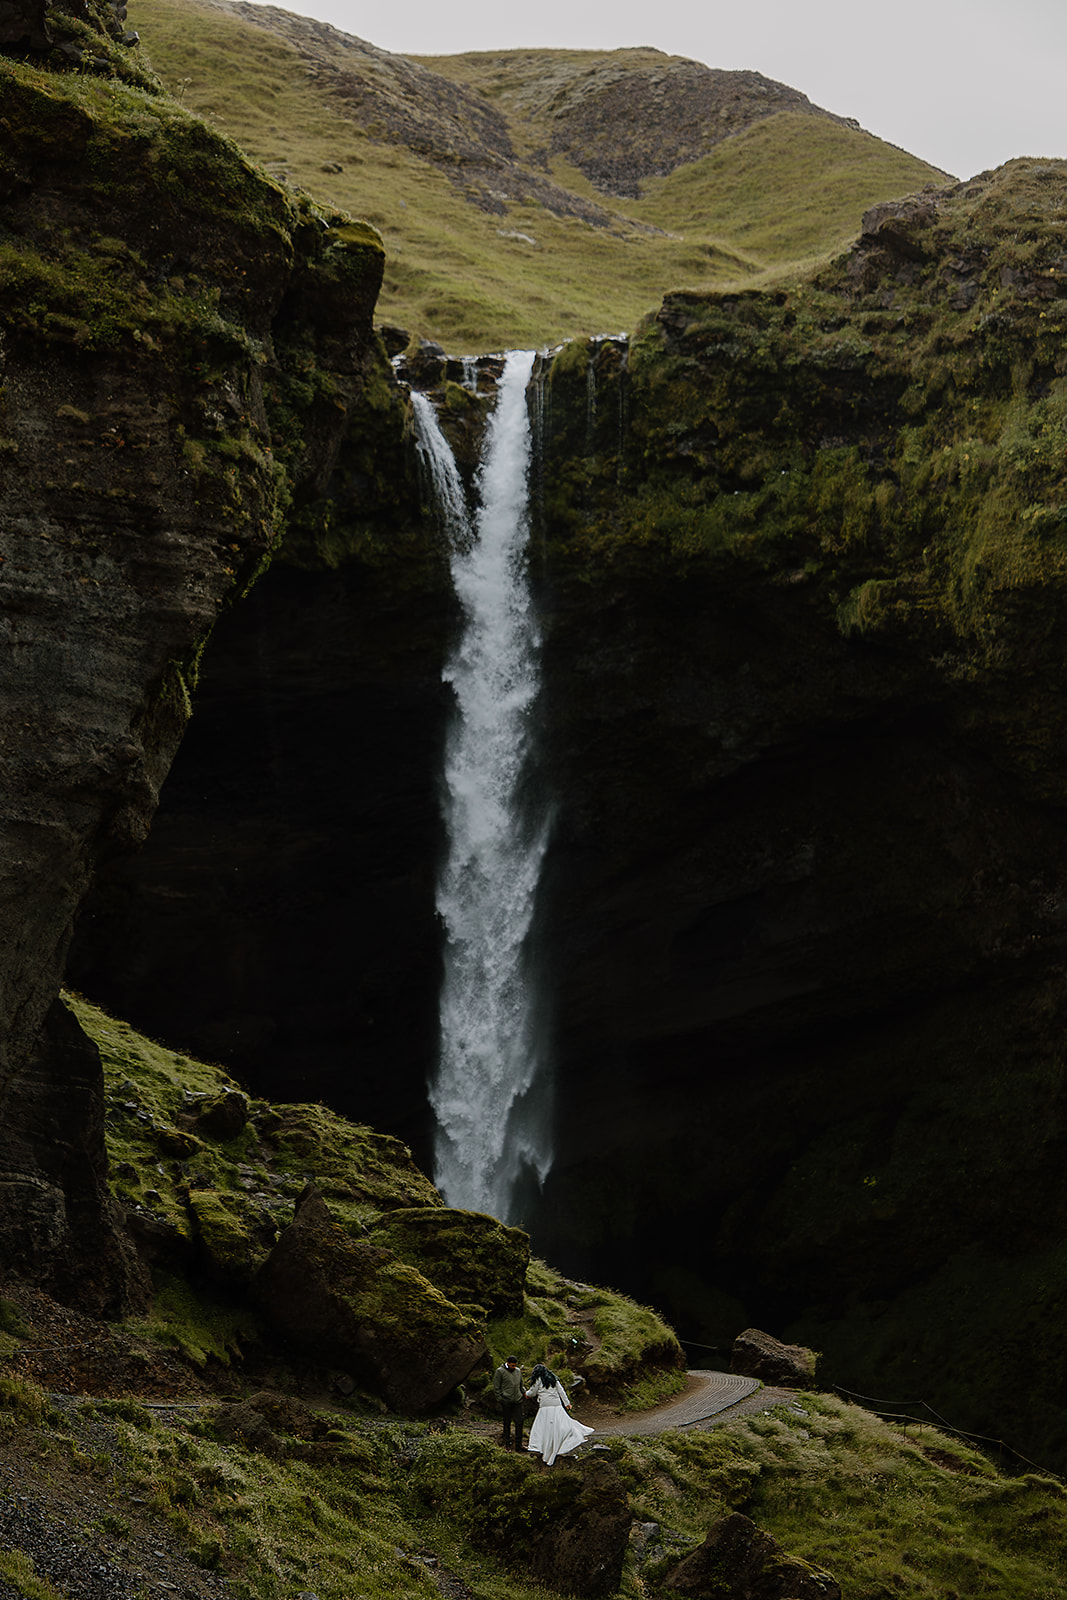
(548, 1379)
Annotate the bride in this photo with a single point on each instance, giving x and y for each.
(555, 1431)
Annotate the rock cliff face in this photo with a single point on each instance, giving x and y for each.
(167, 317)
(803, 580)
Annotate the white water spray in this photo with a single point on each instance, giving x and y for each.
(439, 463)
(489, 1094)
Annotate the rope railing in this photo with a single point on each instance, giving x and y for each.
(887, 1409)
(903, 1411)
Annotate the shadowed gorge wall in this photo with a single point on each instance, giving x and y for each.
(803, 580)
(281, 918)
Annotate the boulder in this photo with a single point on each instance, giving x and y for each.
(738, 1561)
(353, 1305)
(225, 1117)
(759, 1355)
(581, 1551)
(59, 1226)
(472, 1258)
(895, 224)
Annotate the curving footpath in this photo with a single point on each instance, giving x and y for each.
(708, 1396)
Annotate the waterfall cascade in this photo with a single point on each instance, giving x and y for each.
(490, 1094)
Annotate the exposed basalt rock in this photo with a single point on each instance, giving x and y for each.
(86, 36)
(738, 1561)
(759, 1355)
(161, 307)
(674, 111)
(58, 1222)
(355, 1306)
(454, 126)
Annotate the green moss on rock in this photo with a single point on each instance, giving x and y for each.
(472, 1258)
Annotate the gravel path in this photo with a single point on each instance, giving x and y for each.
(710, 1398)
(707, 1395)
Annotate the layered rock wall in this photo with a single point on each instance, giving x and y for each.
(183, 348)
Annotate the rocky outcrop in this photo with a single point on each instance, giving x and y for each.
(60, 1224)
(162, 306)
(740, 1562)
(582, 1549)
(353, 1305)
(473, 1259)
(756, 1354)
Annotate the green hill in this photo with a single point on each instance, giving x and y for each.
(517, 203)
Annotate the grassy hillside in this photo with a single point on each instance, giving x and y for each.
(216, 1197)
(466, 164)
(265, 1496)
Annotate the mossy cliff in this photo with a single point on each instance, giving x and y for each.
(802, 562)
(187, 360)
(272, 1233)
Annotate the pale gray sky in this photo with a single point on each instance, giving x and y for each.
(965, 84)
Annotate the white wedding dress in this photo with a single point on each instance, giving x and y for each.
(555, 1432)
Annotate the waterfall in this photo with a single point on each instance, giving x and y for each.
(439, 465)
(489, 1094)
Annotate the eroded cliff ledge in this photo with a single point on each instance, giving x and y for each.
(187, 359)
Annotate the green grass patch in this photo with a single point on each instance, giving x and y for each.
(381, 1510)
(19, 1571)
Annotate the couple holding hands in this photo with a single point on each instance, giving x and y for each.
(555, 1432)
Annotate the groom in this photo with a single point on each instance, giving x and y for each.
(508, 1388)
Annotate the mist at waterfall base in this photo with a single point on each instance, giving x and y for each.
(491, 1091)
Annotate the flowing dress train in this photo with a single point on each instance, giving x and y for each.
(555, 1432)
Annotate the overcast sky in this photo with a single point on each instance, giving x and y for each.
(965, 84)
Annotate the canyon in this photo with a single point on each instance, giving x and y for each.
(797, 560)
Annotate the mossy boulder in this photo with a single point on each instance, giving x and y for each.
(582, 1549)
(737, 1561)
(567, 1529)
(756, 1354)
(355, 1306)
(472, 1258)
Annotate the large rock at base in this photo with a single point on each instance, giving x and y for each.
(758, 1355)
(59, 1227)
(472, 1258)
(582, 1550)
(355, 1306)
(738, 1561)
